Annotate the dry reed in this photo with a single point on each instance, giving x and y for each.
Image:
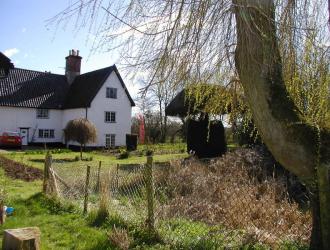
(233, 191)
(119, 238)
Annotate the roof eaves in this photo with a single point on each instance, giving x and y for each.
(91, 98)
(124, 86)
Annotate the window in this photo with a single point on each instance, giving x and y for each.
(111, 93)
(110, 140)
(46, 133)
(42, 113)
(110, 116)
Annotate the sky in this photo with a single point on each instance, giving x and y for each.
(31, 44)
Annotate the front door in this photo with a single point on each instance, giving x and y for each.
(24, 135)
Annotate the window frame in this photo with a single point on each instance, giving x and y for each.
(46, 133)
(111, 93)
(112, 116)
(110, 140)
(42, 113)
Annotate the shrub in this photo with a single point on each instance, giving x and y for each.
(88, 158)
(52, 151)
(206, 138)
(149, 152)
(123, 155)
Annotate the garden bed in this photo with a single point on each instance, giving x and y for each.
(21, 171)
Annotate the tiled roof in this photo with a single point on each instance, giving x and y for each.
(85, 87)
(5, 65)
(33, 89)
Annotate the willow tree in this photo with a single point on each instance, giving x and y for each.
(82, 131)
(264, 46)
(300, 147)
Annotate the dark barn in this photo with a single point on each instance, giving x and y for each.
(205, 138)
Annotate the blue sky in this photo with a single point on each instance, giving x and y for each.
(30, 44)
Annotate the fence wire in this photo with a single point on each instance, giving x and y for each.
(235, 198)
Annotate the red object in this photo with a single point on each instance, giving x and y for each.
(11, 139)
(141, 129)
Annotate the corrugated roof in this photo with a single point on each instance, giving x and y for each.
(33, 89)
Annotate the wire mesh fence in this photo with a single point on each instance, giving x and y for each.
(238, 201)
(125, 186)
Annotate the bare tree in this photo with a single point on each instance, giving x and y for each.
(163, 92)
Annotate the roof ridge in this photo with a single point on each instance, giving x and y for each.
(38, 71)
(109, 67)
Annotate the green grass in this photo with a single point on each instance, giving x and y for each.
(164, 147)
(35, 159)
(61, 227)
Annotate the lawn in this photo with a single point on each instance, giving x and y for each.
(162, 153)
(61, 227)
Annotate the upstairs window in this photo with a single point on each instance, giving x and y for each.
(46, 133)
(110, 116)
(42, 113)
(111, 93)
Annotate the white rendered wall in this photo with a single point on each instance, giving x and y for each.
(122, 107)
(12, 118)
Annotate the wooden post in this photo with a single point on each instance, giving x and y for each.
(323, 174)
(98, 183)
(55, 189)
(86, 189)
(48, 164)
(21, 239)
(2, 214)
(150, 194)
(117, 177)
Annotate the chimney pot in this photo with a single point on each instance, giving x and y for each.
(72, 67)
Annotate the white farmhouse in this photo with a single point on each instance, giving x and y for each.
(38, 105)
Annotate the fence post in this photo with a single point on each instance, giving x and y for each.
(98, 177)
(323, 173)
(150, 194)
(48, 164)
(86, 189)
(117, 177)
(2, 214)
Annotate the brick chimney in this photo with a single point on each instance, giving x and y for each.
(72, 66)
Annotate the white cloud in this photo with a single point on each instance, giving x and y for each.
(11, 52)
(23, 30)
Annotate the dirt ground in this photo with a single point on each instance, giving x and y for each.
(17, 170)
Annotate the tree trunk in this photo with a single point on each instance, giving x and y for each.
(81, 150)
(316, 239)
(294, 143)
